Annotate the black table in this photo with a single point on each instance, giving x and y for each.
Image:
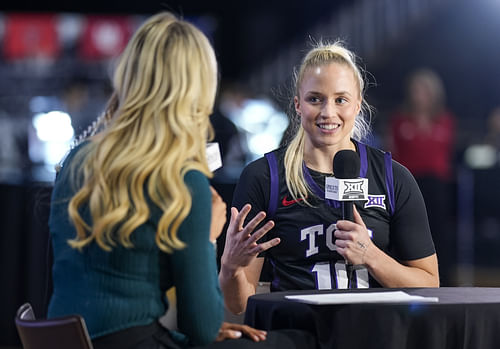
(464, 318)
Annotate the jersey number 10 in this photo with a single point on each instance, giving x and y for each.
(326, 280)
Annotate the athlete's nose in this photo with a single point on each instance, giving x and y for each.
(329, 108)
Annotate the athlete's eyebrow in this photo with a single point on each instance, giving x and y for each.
(338, 93)
(343, 93)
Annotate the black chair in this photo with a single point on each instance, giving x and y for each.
(63, 332)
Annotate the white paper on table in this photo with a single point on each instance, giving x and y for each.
(369, 297)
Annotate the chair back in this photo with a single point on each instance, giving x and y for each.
(64, 332)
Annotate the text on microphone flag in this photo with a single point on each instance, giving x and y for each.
(346, 189)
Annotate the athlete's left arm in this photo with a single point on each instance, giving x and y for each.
(415, 262)
(355, 245)
(411, 237)
(428, 265)
(388, 272)
(422, 272)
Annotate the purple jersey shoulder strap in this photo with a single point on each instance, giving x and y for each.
(274, 184)
(316, 188)
(363, 160)
(389, 181)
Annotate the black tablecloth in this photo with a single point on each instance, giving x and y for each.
(464, 317)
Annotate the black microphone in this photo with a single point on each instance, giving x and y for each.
(346, 187)
(346, 166)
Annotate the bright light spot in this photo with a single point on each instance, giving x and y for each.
(278, 123)
(262, 143)
(53, 126)
(480, 156)
(262, 124)
(49, 141)
(255, 115)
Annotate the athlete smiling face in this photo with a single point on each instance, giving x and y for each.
(328, 102)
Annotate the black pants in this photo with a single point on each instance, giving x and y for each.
(152, 336)
(155, 336)
(289, 339)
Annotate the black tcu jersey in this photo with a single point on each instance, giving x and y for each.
(306, 257)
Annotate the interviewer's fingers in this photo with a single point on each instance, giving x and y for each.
(253, 333)
(230, 330)
(228, 334)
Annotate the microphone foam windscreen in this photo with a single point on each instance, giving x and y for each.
(346, 164)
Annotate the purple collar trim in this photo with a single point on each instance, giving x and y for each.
(316, 188)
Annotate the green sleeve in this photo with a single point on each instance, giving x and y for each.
(200, 307)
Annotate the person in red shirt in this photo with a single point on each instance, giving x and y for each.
(422, 137)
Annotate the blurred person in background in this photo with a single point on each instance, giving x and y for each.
(231, 140)
(76, 101)
(422, 138)
(14, 160)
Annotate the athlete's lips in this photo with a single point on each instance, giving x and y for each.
(328, 126)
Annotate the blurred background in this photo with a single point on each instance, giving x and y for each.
(434, 83)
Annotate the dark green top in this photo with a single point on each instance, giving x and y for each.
(126, 287)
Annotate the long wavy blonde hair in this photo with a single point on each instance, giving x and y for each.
(164, 89)
(321, 54)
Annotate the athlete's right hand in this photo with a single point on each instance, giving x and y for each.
(241, 246)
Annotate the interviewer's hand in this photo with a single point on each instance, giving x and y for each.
(352, 239)
(241, 246)
(232, 331)
(218, 215)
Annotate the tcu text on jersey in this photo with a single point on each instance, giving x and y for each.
(311, 233)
